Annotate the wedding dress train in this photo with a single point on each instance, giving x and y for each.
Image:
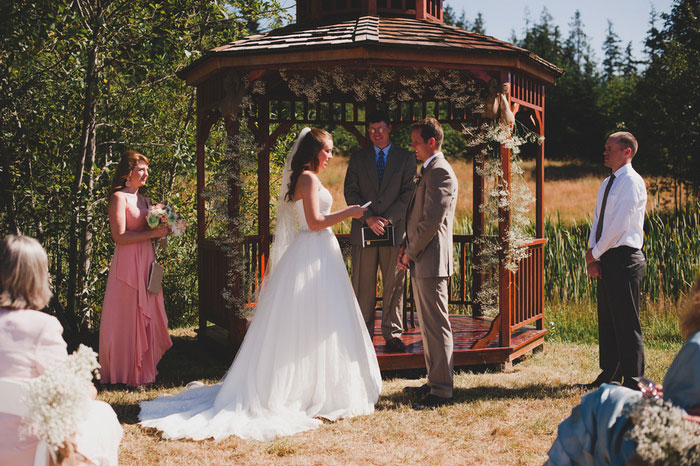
(306, 356)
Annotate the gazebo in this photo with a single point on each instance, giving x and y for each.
(400, 40)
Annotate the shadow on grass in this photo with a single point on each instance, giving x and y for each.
(486, 393)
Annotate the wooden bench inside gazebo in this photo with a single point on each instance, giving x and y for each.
(360, 37)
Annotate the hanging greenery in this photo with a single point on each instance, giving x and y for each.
(390, 86)
(498, 197)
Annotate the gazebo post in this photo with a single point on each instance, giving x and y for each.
(204, 124)
(478, 221)
(263, 138)
(539, 169)
(237, 324)
(539, 195)
(504, 302)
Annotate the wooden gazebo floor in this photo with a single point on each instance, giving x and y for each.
(466, 330)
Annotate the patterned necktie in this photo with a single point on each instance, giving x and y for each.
(599, 227)
(380, 166)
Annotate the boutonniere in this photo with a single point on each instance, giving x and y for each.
(417, 177)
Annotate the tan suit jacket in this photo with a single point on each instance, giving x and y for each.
(429, 221)
(388, 200)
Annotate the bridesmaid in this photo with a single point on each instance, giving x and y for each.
(134, 327)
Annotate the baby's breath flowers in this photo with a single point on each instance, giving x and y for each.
(663, 433)
(498, 197)
(57, 399)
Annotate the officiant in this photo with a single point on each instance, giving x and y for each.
(383, 175)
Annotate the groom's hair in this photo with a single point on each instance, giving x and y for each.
(429, 128)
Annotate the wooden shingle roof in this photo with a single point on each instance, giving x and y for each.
(374, 32)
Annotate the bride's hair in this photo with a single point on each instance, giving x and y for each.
(306, 157)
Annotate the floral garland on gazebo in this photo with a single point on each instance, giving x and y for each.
(453, 86)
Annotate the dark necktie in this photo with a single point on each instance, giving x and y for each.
(380, 165)
(599, 227)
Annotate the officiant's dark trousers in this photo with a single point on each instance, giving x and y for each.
(619, 330)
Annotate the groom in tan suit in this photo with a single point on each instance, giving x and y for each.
(427, 253)
(382, 173)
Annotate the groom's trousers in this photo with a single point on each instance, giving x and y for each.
(430, 295)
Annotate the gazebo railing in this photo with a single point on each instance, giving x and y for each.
(527, 288)
(526, 294)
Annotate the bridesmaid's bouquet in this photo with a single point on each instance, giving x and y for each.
(161, 214)
(57, 399)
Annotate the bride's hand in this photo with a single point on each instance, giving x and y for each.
(356, 211)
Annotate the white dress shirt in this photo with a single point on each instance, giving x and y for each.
(430, 159)
(623, 223)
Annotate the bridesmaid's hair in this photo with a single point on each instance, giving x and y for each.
(129, 160)
(24, 274)
(690, 318)
(306, 157)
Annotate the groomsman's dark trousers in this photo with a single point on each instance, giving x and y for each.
(619, 330)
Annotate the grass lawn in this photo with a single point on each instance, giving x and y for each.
(507, 418)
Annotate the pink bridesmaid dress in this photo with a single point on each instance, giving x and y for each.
(134, 326)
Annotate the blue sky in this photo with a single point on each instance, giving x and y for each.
(630, 18)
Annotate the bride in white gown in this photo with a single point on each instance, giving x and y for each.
(307, 355)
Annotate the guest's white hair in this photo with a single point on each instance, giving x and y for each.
(24, 274)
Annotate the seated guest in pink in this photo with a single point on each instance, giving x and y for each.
(30, 342)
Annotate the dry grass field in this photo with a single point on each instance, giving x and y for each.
(570, 188)
(507, 418)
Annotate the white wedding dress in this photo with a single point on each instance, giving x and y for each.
(307, 354)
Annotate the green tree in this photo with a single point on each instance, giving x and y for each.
(449, 17)
(573, 123)
(667, 109)
(479, 25)
(82, 81)
(613, 56)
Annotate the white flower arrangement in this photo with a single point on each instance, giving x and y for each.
(663, 433)
(57, 399)
(498, 197)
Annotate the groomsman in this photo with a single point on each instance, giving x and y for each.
(427, 252)
(615, 258)
(382, 174)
